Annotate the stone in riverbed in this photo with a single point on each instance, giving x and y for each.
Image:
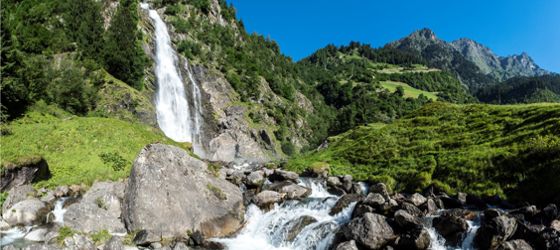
(283, 175)
(267, 198)
(17, 194)
(169, 192)
(371, 231)
(344, 202)
(494, 232)
(347, 245)
(417, 199)
(407, 221)
(26, 212)
(451, 227)
(515, 245)
(294, 191)
(417, 239)
(255, 179)
(296, 226)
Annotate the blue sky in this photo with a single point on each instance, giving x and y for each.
(506, 26)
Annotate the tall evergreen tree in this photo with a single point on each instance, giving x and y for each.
(85, 26)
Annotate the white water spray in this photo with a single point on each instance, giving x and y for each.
(59, 211)
(176, 118)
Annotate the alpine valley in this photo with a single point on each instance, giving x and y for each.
(166, 125)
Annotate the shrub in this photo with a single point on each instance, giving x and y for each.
(117, 162)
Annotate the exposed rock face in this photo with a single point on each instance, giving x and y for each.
(25, 172)
(495, 231)
(17, 194)
(170, 193)
(99, 209)
(267, 198)
(371, 230)
(26, 212)
(451, 227)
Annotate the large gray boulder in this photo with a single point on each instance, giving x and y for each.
(494, 232)
(99, 209)
(171, 193)
(371, 231)
(26, 212)
(17, 194)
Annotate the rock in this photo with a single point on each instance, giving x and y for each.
(344, 202)
(99, 209)
(450, 202)
(37, 234)
(170, 192)
(490, 214)
(17, 194)
(548, 239)
(380, 188)
(371, 231)
(296, 226)
(374, 199)
(25, 171)
(451, 227)
(417, 199)
(78, 241)
(515, 245)
(61, 191)
(527, 212)
(115, 243)
(294, 191)
(146, 237)
(495, 232)
(267, 198)
(255, 179)
(180, 246)
(27, 212)
(283, 175)
(429, 207)
(347, 183)
(555, 224)
(407, 221)
(373, 203)
(411, 209)
(333, 181)
(417, 239)
(48, 197)
(347, 245)
(4, 225)
(317, 170)
(462, 198)
(236, 177)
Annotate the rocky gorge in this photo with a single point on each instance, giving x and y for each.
(174, 201)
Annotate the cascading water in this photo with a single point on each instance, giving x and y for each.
(59, 211)
(438, 242)
(176, 118)
(270, 230)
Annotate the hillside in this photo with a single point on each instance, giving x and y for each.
(479, 149)
(523, 90)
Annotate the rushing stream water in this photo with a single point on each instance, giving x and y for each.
(178, 119)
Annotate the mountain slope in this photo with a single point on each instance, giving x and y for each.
(523, 90)
(480, 149)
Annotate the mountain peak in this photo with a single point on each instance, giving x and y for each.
(424, 33)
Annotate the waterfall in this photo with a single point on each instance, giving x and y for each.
(59, 211)
(438, 242)
(177, 119)
(269, 230)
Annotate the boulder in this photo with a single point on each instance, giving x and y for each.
(236, 177)
(24, 171)
(99, 209)
(37, 234)
(17, 194)
(495, 232)
(78, 241)
(26, 212)
(555, 224)
(296, 226)
(146, 237)
(344, 202)
(283, 175)
(115, 243)
(450, 202)
(380, 188)
(170, 192)
(417, 239)
(267, 198)
(515, 245)
(548, 239)
(347, 182)
(429, 207)
(371, 231)
(347, 245)
(411, 209)
(451, 227)
(294, 191)
(417, 199)
(406, 221)
(255, 179)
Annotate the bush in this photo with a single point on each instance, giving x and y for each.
(117, 162)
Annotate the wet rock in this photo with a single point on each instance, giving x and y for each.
(255, 179)
(417, 199)
(525, 213)
(99, 209)
(373, 203)
(429, 207)
(462, 198)
(296, 226)
(4, 225)
(23, 172)
(371, 231)
(115, 243)
(451, 227)
(417, 239)
(344, 202)
(78, 241)
(26, 212)
(267, 198)
(407, 221)
(380, 188)
(146, 237)
(180, 246)
(548, 239)
(170, 192)
(283, 175)
(294, 191)
(37, 234)
(346, 182)
(411, 209)
(450, 202)
(236, 177)
(555, 224)
(494, 232)
(61, 191)
(515, 245)
(490, 214)
(17, 194)
(347, 245)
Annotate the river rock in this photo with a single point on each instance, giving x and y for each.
(255, 179)
(146, 237)
(417, 199)
(236, 177)
(417, 239)
(555, 224)
(495, 232)
(267, 198)
(451, 227)
(99, 209)
(4, 225)
(429, 207)
(371, 231)
(294, 191)
(407, 221)
(296, 226)
(347, 182)
(344, 202)
(17, 194)
(548, 239)
(170, 192)
(78, 241)
(24, 172)
(283, 175)
(380, 188)
(411, 209)
(515, 245)
(115, 243)
(61, 191)
(26, 212)
(37, 234)
(347, 245)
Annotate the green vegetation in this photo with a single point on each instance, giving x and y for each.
(408, 90)
(3, 197)
(480, 149)
(63, 233)
(217, 192)
(76, 147)
(100, 237)
(523, 90)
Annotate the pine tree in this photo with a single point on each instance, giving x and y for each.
(84, 25)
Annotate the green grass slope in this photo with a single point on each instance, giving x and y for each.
(512, 151)
(408, 90)
(78, 149)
